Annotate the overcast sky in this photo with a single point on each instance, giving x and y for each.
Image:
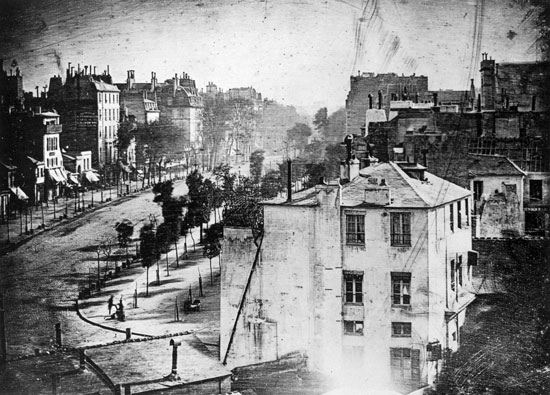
(299, 52)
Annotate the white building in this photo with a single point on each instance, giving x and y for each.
(108, 108)
(369, 279)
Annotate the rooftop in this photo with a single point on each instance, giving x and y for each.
(409, 192)
(490, 165)
(406, 191)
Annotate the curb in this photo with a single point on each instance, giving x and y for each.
(109, 328)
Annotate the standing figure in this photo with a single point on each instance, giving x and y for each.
(111, 304)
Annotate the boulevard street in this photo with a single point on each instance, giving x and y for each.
(41, 279)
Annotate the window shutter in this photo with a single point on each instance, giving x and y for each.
(415, 365)
(472, 258)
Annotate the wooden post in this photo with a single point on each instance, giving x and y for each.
(3, 340)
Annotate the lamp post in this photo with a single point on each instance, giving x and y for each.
(98, 269)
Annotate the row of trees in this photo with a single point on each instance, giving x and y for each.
(228, 127)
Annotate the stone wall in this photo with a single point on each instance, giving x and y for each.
(497, 254)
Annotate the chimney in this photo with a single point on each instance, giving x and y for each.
(289, 182)
(378, 195)
(435, 99)
(108, 73)
(424, 158)
(343, 170)
(86, 70)
(175, 84)
(94, 70)
(370, 101)
(153, 81)
(479, 103)
(353, 168)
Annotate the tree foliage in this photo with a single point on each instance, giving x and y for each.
(125, 230)
(148, 245)
(256, 164)
(298, 136)
(505, 347)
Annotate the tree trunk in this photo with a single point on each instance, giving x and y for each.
(147, 283)
(192, 238)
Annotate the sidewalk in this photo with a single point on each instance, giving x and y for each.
(156, 315)
(47, 215)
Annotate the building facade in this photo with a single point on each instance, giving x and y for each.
(89, 105)
(369, 279)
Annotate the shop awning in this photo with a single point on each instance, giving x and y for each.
(91, 176)
(57, 176)
(54, 176)
(73, 179)
(19, 194)
(124, 167)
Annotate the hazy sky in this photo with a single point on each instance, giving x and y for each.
(297, 52)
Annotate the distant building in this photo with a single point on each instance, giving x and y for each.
(369, 279)
(8, 187)
(139, 99)
(11, 87)
(180, 102)
(519, 86)
(378, 90)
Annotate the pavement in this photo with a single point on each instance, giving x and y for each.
(49, 214)
(162, 313)
(44, 273)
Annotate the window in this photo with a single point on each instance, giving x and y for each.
(451, 217)
(453, 275)
(401, 329)
(535, 189)
(467, 210)
(459, 270)
(478, 190)
(400, 229)
(353, 283)
(401, 286)
(405, 364)
(534, 223)
(459, 214)
(355, 229)
(353, 327)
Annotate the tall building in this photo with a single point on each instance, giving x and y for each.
(369, 279)
(180, 102)
(90, 111)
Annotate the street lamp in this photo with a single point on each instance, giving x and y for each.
(98, 269)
